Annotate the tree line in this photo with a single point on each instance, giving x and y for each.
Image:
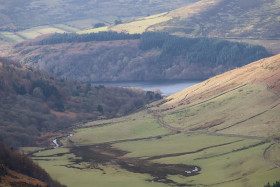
(76, 38)
(209, 51)
(276, 184)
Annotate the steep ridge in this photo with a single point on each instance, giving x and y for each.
(244, 101)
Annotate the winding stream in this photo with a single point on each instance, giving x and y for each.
(56, 143)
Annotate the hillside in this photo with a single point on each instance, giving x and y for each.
(243, 101)
(19, 170)
(221, 132)
(255, 21)
(108, 56)
(21, 20)
(20, 14)
(35, 105)
(221, 18)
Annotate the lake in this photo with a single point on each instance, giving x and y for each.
(166, 87)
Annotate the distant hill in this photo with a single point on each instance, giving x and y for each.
(255, 21)
(150, 56)
(244, 101)
(222, 18)
(35, 105)
(18, 15)
(19, 170)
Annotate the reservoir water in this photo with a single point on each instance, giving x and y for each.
(166, 87)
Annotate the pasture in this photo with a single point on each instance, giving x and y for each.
(136, 150)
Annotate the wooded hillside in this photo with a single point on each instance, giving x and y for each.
(19, 170)
(155, 56)
(34, 103)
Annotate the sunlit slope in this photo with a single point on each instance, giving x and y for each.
(253, 21)
(250, 19)
(152, 23)
(222, 18)
(244, 101)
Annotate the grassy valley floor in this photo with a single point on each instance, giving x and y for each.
(136, 150)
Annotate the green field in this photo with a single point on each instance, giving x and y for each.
(37, 31)
(113, 153)
(10, 37)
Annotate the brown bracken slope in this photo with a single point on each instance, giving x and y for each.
(263, 71)
(241, 102)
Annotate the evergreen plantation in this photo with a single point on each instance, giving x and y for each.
(203, 50)
(76, 38)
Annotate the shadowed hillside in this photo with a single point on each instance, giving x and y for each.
(36, 105)
(19, 170)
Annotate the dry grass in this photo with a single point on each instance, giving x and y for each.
(265, 70)
(140, 25)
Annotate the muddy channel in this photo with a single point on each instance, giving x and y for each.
(105, 154)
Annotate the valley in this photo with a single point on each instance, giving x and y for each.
(196, 137)
(198, 104)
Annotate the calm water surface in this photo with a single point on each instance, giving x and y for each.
(166, 87)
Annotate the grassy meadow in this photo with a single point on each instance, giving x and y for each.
(224, 114)
(111, 152)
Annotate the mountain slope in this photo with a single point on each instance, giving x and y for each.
(244, 101)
